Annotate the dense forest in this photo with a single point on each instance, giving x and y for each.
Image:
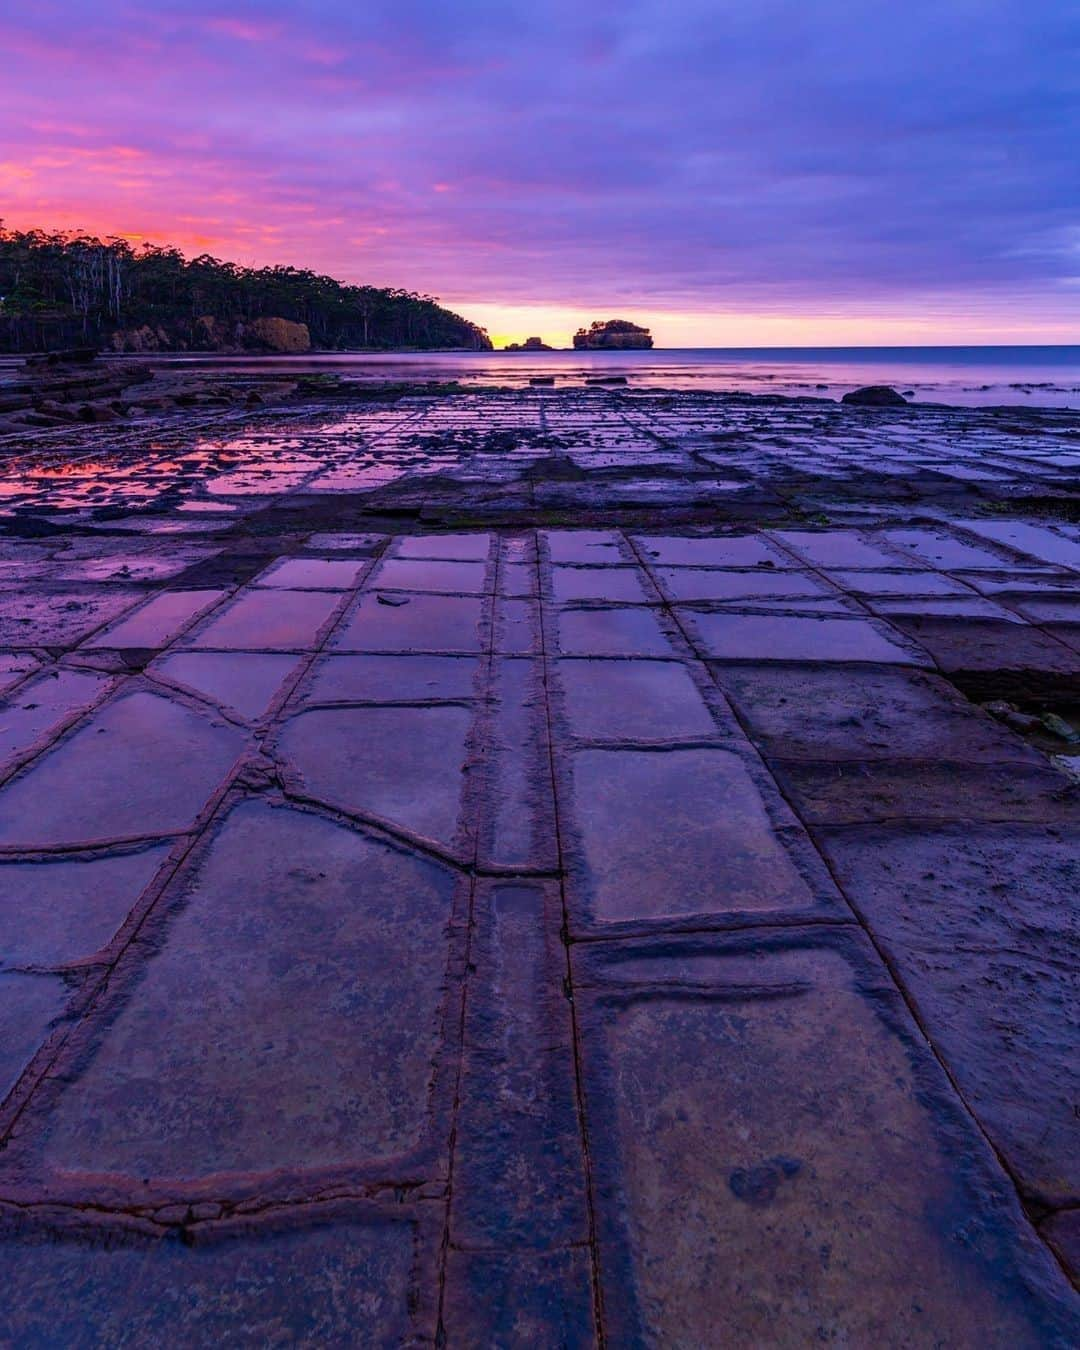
(64, 289)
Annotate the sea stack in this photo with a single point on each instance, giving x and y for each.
(613, 335)
(531, 344)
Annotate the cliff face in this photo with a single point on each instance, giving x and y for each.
(277, 335)
(613, 335)
(265, 334)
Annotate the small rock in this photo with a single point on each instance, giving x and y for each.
(1060, 728)
(1012, 717)
(392, 599)
(875, 396)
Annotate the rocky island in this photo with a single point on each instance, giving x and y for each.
(613, 335)
(531, 344)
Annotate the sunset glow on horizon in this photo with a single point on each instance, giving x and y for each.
(774, 177)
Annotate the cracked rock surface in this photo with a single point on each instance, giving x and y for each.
(536, 868)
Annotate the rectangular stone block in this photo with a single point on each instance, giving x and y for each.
(518, 579)
(611, 632)
(517, 825)
(627, 701)
(30, 1006)
(323, 574)
(995, 650)
(520, 1298)
(44, 704)
(731, 550)
(33, 617)
(378, 678)
(938, 548)
(670, 836)
(838, 548)
(517, 627)
(899, 584)
(157, 622)
(328, 1284)
(978, 923)
(1035, 541)
(600, 547)
(153, 765)
(57, 910)
(405, 766)
(701, 583)
(519, 1179)
(452, 547)
(244, 682)
(448, 578)
(778, 1159)
(267, 620)
(795, 637)
(942, 606)
(597, 583)
(418, 623)
(814, 712)
(291, 1018)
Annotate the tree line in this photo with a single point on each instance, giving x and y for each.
(63, 288)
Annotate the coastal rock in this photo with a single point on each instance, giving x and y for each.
(531, 344)
(141, 339)
(210, 334)
(264, 334)
(613, 335)
(875, 396)
(69, 356)
(99, 412)
(275, 335)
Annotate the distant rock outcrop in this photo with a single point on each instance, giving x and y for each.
(875, 396)
(531, 344)
(613, 335)
(210, 334)
(275, 335)
(144, 338)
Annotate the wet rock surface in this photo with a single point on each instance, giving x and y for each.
(534, 868)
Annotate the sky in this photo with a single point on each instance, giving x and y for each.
(730, 172)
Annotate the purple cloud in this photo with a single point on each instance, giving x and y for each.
(688, 154)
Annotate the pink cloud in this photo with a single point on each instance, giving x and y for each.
(657, 149)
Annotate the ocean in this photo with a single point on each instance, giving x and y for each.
(974, 376)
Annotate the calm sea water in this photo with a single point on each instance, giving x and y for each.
(1031, 376)
(1035, 376)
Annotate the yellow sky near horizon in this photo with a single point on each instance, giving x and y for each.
(556, 324)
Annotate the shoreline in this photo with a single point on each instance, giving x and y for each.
(200, 376)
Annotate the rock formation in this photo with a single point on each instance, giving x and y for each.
(210, 334)
(613, 335)
(531, 344)
(275, 335)
(875, 396)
